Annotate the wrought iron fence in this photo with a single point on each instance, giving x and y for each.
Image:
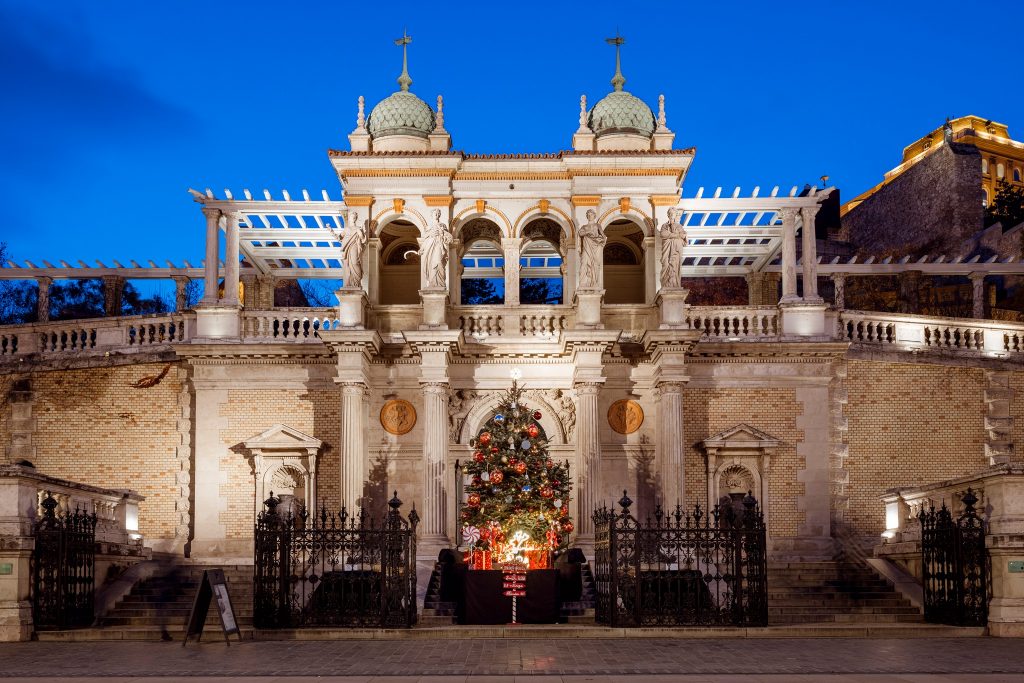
(955, 565)
(63, 568)
(687, 568)
(332, 569)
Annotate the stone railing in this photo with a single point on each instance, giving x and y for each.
(484, 322)
(908, 332)
(288, 324)
(23, 488)
(734, 323)
(125, 333)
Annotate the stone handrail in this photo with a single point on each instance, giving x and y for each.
(126, 333)
(22, 490)
(734, 323)
(483, 322)
(288, 324)
(908, 331)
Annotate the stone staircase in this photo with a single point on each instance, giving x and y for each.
(837, 591)
(582, 611)
(436, 612)
(158, 608)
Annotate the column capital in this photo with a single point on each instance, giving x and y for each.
(232, 215)
(211, 213)
(671, 386)
(432, 386)
(977, 276)
(44, 280)
(586, 388)
(350, 388)
(809, 212)
(839, 277)
(788, 213)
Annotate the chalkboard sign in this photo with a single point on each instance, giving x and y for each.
(213, 587)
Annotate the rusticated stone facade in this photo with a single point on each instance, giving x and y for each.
(931, 208)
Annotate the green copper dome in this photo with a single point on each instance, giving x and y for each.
(401, 113)
(621, 112)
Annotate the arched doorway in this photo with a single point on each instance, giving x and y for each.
(399, 263)
(541, 263)
(624, 263)
(483, 264)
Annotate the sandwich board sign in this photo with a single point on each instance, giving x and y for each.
(212, 587)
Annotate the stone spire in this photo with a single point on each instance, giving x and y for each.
(404, 81)
(618, 80)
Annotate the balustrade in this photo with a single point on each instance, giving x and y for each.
(734, 324)
(290, 324)
(919, 331)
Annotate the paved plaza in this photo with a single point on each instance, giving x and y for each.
(821, 659)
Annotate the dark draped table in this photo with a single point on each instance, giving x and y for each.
(484, 602)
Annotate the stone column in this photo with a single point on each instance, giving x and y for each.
(977, 294)
(671, 448)
(909, 283)
(588, 454)
(353, 449)
(435, 452)
(788, 256)
(43, 299)
(652, 251)
(231, 260)
(113, 291)
(455, 270)
(373, 269)
(180, 293)
(839, 280)
(810, 255)
(511, 249)
(210, 266)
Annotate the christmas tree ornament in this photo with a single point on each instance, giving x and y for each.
(546, 492)
(470, 535)
(549, 464)
(533, 431)
(499, 418)
(478, 456)
(527, 488)
(520, 467)
(485, 438)
(568, 527)
(525, 445)
(485, 475)
(477, 481)
(557, 503)
(497, 476)
(536, 415)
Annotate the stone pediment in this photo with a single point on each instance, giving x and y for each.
(281, 437)
(741, 436)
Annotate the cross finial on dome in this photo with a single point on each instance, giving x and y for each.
(404, 81)
(618, 80)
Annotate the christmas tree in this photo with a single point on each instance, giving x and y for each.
(517, 504)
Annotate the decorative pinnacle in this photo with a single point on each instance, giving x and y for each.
(360, 116)
(618, 80)
(404, 81)
(440, 114)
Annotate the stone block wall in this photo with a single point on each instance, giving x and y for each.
(249, 412)
(708, 411)
(96, 426)
(909, 424)
(932, 207)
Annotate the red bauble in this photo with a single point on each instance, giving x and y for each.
(478, 456)
(473, 500)
(565, 510)
(536, 415)
(494, 449)
(485, 438)
(465, 514)
(485, 534)
(546, 492)
(567, 527)
(477, 481)
(520, 467)
(549, 464)
(497, 476)
(533, 431)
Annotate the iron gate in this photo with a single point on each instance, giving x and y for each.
(63, 568)
(954, 565)
(681, 569)
(334, 570)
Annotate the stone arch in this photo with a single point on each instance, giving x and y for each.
(623, 261)
(638, 216)
(553, 214)
(471, 212)
(487, 405)
(388, 215)
(478, 228)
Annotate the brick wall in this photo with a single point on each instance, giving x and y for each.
(909, 424)
(5, 417)
(709, 411)
(250, 412)
(932, 206)
(1017, 414)
(94, 427)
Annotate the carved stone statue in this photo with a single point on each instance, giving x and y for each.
(566, 413)
(436, 243)
(459, 404)
(352, 249)
(673, 241)
(592, 241)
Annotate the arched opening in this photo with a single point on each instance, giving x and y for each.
(483, 264)
(624, 263)
(541, 263)
(288, 485)
(399, 263)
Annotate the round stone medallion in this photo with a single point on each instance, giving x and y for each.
(625, 416)
(397, 417)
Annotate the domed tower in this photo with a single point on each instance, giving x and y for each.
(401, 122)
(621, 121)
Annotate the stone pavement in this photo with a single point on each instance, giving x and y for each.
(536, 660)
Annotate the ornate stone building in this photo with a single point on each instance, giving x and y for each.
(816, 409)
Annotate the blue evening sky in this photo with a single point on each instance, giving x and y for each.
(112, 108)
